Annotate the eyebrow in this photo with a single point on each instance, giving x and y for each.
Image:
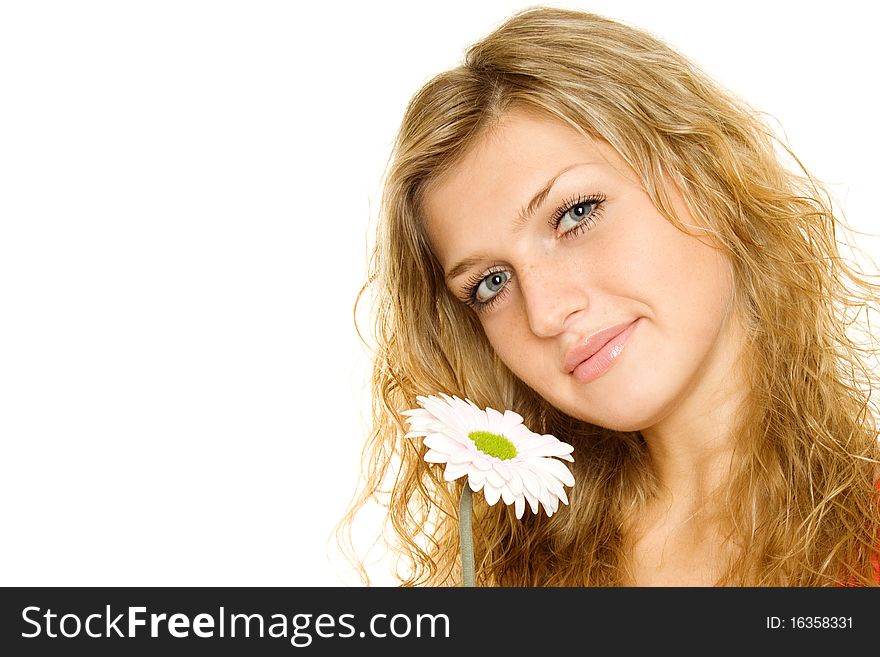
(521, 219)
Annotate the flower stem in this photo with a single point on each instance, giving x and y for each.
(466, 536)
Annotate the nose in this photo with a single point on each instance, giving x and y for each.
(552, 299)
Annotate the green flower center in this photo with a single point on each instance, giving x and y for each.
(493, 444)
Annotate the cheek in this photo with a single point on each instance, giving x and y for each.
(515, 345)
(683, 275)
(506, 339)
(692, 295)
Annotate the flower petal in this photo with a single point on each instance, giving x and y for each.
(551, 483)
(444, 413)
(520, 506)
(454, 471)
(477, 475)
(461, 455)
(495, 479)
(442, 443)
(536, 441)
(469, 415)
(502, 468)
(436, 457)
(531, 481)
(482, 462)
(515, 482)
(492, 493)
(496, 420)
(419, 420)
(558, 470)
(512, 419)
(555, 448)
(532, 500)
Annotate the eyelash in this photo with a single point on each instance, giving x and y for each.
(586, 223)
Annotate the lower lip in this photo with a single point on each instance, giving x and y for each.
(602, 361)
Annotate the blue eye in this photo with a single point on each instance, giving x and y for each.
(580, 213)
(490, 286)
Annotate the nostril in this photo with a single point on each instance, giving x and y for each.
(571, 319)
(551, 319)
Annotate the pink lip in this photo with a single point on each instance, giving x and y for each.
(591, 359)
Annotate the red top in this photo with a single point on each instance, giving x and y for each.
(875, 558)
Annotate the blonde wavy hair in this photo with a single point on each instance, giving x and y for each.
(800, 502)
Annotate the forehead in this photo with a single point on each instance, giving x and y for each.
(500, 173)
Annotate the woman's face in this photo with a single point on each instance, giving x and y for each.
(553, 233)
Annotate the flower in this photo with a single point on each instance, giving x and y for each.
(496, 451)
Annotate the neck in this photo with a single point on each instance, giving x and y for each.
(692, 447)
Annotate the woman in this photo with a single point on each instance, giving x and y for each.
(578, 186)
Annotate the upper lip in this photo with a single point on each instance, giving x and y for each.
(584, 349)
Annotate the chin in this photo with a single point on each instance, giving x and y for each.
(620, 412)
(625, 424)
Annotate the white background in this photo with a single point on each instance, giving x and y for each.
(185, 193)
